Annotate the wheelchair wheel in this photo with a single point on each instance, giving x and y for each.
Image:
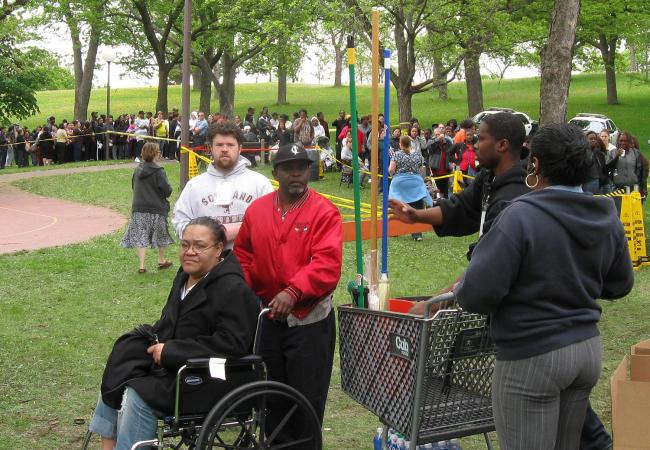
(261, 415)
(92, 441)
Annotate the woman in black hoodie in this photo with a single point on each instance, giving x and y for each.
(538, 273)
(148, 226)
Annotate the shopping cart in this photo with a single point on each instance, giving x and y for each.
(429, 378)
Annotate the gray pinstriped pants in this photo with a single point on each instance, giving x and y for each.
(540, 402)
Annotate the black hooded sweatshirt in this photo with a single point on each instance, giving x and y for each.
(541, 267)
(150, 189)
(462, 212)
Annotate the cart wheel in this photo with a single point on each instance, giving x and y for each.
(261, 415)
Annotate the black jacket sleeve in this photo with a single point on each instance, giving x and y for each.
(461, 213)
(163, 184)
(620, 278)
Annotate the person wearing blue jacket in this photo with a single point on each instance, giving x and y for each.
(538, 273)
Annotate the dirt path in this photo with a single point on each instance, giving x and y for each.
(30, 222)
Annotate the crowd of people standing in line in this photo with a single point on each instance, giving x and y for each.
(442, 148)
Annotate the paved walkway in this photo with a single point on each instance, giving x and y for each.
(30, 222)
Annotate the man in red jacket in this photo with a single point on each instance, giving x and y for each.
(290, 249)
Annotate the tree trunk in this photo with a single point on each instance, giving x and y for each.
(607, 49)
(206, 89)
(227, 90)
(282, 80)
(634, 65)
(557, 56)
(83, 69)
(404, 102)
(338, 66)
(474, 83)
(337, 45)
(406, 70)
(216, 74)
(197, 78)
(443, 92)
(163, 82)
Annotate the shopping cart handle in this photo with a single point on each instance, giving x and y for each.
(434, 304)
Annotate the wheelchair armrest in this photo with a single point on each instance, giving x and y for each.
(197, 363)
(245, 360)
(202, 363)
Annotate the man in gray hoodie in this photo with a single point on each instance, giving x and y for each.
(228, 187)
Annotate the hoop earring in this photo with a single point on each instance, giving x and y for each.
(528, 184)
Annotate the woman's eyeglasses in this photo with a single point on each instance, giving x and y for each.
(197, 247)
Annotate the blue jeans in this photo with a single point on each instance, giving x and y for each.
(132, 423)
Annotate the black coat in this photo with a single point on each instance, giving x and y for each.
(150, 189)
(217, 318)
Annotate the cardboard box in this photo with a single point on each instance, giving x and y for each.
(631, 400)
(640, 363)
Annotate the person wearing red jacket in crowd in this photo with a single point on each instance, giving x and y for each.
(360, 135)
(290, 246)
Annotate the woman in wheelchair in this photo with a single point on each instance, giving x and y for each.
(210, 311)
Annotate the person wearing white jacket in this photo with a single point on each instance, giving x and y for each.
(227, 189)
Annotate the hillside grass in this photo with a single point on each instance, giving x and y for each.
(587, 94)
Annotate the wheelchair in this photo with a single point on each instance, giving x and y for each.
(210, 413)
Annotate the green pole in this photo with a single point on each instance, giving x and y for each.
(355, 171)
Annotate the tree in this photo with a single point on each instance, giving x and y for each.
(406, 19)
(603, 25)
(84, 18)
(158, 20)
(557, 56)
(17, 99)
(47, 74)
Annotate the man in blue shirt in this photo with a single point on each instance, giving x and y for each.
(200, 129)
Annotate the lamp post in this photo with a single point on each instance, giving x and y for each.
(109, 57)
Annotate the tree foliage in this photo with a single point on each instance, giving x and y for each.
(17, 79)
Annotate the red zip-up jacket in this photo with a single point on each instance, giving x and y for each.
(302, 253)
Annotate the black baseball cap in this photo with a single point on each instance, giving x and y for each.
(291, 152)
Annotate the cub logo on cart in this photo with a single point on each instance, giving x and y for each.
(401, 346)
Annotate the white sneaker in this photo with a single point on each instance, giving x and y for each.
(137, 160)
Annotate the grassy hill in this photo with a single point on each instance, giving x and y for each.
(587, 94)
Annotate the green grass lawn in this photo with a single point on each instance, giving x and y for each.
(62, 308)
(587, 94)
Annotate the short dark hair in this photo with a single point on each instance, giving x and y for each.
(564, 154)
(599, 142)
(506, 125)
(216, 228)
(225, 128)
(467, 124)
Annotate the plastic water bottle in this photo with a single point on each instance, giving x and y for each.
(400, 443)
(393, 442)
(376, 442)
(407, 445)
(453, 445)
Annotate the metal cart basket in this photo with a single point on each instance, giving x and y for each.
(428, 378)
